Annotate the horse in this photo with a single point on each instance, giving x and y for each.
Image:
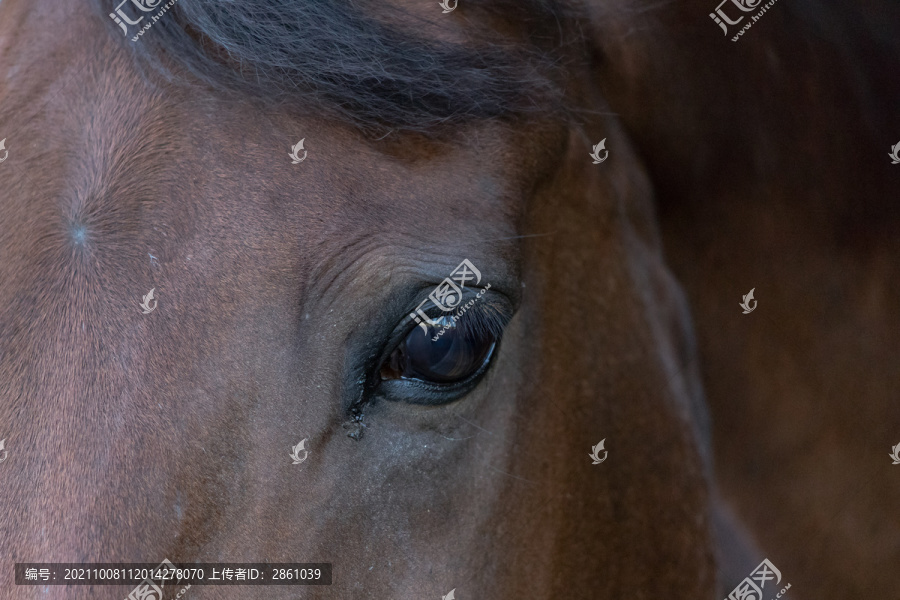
(189, 302)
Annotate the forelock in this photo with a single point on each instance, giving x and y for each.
(376, 74)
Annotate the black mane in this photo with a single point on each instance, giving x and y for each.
(359, 67)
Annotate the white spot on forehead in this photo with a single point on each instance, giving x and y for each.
(79, 233)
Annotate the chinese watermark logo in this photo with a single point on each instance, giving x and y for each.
(121, 19)
(596, 153)
(894, 154)
(751, 588)
(294, 153)
(295, 452)
(147, 589)
(895, 455)
(448, 294)
(6, 152)
(4, 454)
(745, 6)
(595, 452)
(445, 4)
(147, 300)
(746, 303)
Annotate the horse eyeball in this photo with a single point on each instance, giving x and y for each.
(444, 355)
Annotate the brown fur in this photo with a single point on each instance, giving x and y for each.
(769, 157)
(140, 437)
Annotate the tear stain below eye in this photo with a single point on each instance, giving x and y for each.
(355, 425)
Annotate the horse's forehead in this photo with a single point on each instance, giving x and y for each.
(220, 175)
(239, 183)
(180, 155)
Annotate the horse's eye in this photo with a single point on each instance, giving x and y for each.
(447, 354)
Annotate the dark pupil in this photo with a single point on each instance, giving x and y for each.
(454, 356)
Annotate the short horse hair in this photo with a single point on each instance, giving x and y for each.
(366, 70)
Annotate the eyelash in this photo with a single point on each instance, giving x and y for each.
(485, 316)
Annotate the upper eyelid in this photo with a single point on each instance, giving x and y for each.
(427, 304)
(489, 314)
